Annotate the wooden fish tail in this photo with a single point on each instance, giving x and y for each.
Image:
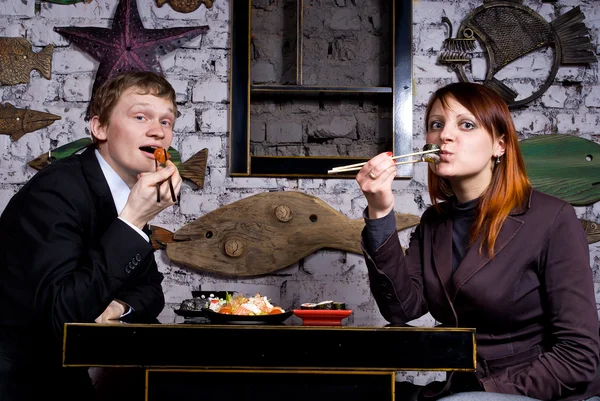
(573, 35)
(194, 169)
(159, 237)
(161, 3)
(43, 61)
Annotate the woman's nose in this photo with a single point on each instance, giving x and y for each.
(446, 135)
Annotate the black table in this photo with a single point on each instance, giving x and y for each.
(269, 362)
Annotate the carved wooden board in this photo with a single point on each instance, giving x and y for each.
(265, 233)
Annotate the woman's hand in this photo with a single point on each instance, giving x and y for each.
(375, 180)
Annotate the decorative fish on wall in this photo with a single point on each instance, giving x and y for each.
(194, 169)
(508, 31)
(17, 122)
(17, 60)
(564, 166)
(185, 6)
(67, 1)
(592, 230)
(263, 233)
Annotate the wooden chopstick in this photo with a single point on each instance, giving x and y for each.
(173, 197)
(358, 166)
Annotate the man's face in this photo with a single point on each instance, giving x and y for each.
(136, 121)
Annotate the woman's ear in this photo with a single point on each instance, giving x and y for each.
(98, 130)
(500, 146)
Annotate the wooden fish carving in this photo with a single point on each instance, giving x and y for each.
(508, 31)
(185, 6)
(17, 122)
(264, 233)
(564, 166)
(17, 60)
(592, 230)
(194, 169)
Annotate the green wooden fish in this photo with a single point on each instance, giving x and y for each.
(564, 166)
(194, 169)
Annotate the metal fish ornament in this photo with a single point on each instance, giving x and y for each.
(564, 166)
(194, 169)
(264, 233)
(17, 122)
(185, 6)
(17, 60)
(509, 30)
(592, 230)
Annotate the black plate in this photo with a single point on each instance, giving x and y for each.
(189, 313)
(215, 317)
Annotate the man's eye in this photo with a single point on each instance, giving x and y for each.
(166, 123)
(139, 118)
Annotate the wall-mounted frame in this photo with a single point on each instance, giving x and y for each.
(242, 163)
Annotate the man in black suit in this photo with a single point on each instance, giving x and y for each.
(74, 248)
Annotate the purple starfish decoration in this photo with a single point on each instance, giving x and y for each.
(127, 46)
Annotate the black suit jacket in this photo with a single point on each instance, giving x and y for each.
(65, 256)
(533, 304)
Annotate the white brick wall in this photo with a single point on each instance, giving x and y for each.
(199, 73)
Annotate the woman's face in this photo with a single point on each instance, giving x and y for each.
(468, 150)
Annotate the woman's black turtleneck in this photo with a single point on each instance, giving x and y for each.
(463, 216)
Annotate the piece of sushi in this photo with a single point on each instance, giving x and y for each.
(338, 306)
(308, 305)
(325, 305)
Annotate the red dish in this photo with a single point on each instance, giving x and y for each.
(312, 317)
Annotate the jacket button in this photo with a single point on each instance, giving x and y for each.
(135, 262)
(138, 257)
(388, 296)
(384, 284)
(127, 269)
(132, 265)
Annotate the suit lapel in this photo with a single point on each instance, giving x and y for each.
(442, 251)
(473, 261)
(97, 182)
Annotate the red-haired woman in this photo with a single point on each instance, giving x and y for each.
(491, 253)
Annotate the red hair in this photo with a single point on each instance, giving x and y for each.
(509, 186)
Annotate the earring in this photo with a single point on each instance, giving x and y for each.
(498, 159)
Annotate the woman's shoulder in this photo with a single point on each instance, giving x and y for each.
(546, 202)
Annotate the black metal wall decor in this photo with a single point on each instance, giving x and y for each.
(508, 31)
(243, 163)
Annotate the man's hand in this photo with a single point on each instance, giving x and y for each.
(141, 206)
(112, 312)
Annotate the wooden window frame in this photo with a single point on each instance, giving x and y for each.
(243, 164)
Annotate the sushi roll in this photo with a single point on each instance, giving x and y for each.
(433, 157)
(325, 305)
(309, 306)
(339, 306)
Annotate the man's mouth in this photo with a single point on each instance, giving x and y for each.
(148, 149)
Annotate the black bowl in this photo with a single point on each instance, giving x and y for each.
(215, 294)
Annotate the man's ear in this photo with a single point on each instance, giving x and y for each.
(98, 130)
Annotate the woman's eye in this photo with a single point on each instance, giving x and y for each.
(468, 125)
(435, 125)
